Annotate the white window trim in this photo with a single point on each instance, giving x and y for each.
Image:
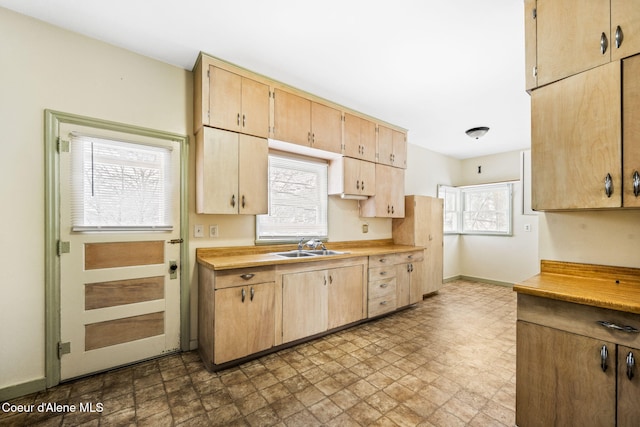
(460, 209)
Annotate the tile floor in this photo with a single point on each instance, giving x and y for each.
(449, 361)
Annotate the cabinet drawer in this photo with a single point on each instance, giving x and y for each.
(410, 256)
(379, 273)
(244, 276)
(381, 305)
(382, 260)
(382, 288)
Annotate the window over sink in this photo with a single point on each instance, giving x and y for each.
(297, 200)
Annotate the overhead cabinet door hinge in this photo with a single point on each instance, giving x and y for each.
(63, 247)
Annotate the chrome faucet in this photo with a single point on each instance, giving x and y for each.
(311, 244)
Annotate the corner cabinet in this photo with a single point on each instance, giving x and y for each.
(566, 37)
(231, 173)
(577, 130)
(388, 201)
(570, 370)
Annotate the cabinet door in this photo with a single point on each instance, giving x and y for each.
(253, 177)
(255, 108)
(399, 157)
(625, 28)
(216, 171)
(560, 379)
(304, 304)
(367, 178)
(292, 118)
(396, 176)
(351, 175)
(359, 138)
(230, 324)
(385, 145)
(569, 37)
(576, 141)
(260, 317)
(403, 284)
(225, 102)
(326, 128)
(530, 47)
(418, 280)
(631, 131)
(628, 387)
(388, 201)
(345, 295)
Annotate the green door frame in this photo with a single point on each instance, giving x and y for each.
(52, 229)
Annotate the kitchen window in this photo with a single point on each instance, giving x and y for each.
(297, 200)
(479, 209)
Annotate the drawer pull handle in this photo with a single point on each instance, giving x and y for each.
(631, 363)
(383, 302)
(384, 285)
(610, 325)
(383, 260)
(383, 273)
(252, 292)
(604, 354)
(247, 276)
(244, 294)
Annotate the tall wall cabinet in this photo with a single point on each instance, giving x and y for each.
(422, 226)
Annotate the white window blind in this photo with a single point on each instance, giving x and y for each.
(118, 185)
(297, 200)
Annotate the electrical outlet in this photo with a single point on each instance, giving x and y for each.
(527, 227)
(213, 231)
(365, 228)
(198, 230)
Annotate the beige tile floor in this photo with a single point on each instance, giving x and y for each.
(449, 361)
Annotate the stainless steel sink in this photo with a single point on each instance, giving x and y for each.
(294, 254)
(324, 252)
(308, 253)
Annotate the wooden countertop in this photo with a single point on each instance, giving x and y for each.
(254, 256)
(616, 288)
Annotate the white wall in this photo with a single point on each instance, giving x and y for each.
(506, 259)
(46, 67)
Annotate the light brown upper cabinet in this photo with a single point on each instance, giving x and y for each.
(228, 100)
(577, 132)
(359, 138)
(353, 177)
(388, 201)
(304, 122)
(231, 173)
(392, 147)
(566, 37)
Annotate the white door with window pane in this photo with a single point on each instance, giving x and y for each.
(120, 250)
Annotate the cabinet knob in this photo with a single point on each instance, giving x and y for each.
(619, 37)
(243, 201)
(247, 276)
(233, 201)
(244, 120)
(357, 184)
(631, 363)
(238, 119)
(604, 43)
(636, 184)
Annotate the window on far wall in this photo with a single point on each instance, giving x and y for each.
(479, 209)
(297, 200)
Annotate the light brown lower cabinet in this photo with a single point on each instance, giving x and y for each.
(320, 300)
(582, 376)
(244, 321)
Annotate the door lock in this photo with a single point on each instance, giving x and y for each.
(173, 270)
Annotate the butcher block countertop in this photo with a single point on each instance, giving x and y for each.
(254, 256)
(616, 288)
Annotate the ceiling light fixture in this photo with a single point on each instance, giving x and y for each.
(477, 132)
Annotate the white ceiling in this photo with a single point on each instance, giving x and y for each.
(436, 68)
